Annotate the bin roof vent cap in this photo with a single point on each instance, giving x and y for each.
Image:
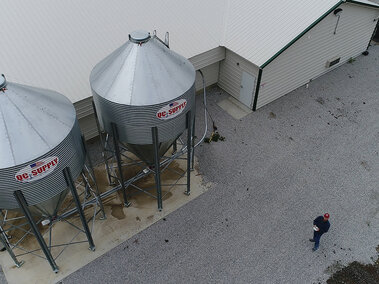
(139, 36)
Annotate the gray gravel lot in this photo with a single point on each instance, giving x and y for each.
(311, 151)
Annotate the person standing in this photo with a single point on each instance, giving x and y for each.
(320, 226)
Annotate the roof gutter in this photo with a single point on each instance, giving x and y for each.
(304, 32)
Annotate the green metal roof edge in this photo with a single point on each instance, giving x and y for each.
(373, 5)
(300, 35)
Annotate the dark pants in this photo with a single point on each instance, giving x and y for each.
(316, 238)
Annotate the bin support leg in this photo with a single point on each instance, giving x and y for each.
(174, 146)
(92, 172)
(119, 166)
(71, 185)
(24, 207)
(104, 154)
(154, 132)
(8, 248)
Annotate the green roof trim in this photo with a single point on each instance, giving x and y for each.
(257, 89)
(300, 35)
(373, 5)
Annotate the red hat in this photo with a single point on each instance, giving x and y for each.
(326, 216)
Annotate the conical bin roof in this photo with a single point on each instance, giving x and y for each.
(142, 72)
(33, 121)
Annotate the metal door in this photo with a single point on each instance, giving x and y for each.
(247, 89)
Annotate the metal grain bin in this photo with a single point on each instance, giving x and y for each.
(39, 137)
(144, 84)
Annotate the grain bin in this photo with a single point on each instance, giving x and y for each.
(140, 85)
(39, 137)
(41, 154)
(144, 95)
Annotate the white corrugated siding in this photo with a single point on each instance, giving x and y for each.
(207, 58)
(210, 75)
(307, 57)
(231, 72)
(55, 43)
(88, 126)
(258, 29)
(84, 107)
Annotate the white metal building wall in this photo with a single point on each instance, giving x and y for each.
(231, 72)
(208, 62)
(88, 126)
(210, 74)
(54, 44)
(306, 58)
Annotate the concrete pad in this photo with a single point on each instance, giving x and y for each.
(234, 108)
(121, 224)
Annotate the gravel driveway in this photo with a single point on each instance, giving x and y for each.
(312, 151)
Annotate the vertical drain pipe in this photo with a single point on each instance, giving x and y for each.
(71, 185)
(205, 111)
(189, 151)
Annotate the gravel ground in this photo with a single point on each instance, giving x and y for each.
(311, 151)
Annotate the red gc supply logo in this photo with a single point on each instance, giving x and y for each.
(37, 170)
(172, 110)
